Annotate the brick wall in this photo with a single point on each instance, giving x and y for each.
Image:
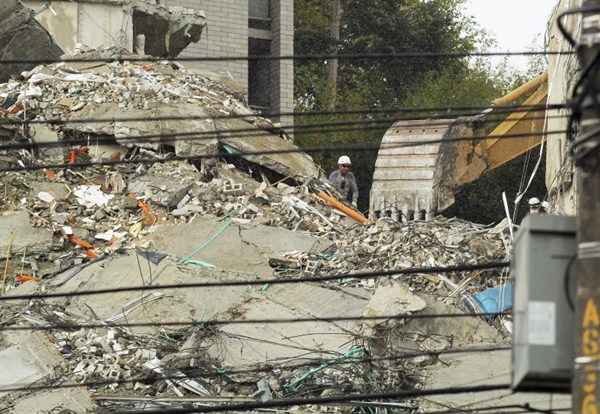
(226, 35)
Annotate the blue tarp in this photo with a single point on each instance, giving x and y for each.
(495, 300)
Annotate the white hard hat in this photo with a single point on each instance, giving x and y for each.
(344, 160)
(534, 201)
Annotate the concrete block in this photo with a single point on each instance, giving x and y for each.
(76, 400)
(28, 358)
(25, 236)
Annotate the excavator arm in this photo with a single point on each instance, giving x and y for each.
(416, 182)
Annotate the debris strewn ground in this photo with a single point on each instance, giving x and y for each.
(234, 218)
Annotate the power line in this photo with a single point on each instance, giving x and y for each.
(525, 408)
(327, 400)
(261, 282)
(255, 132)
(341, 57)
(268, 367)
(447, 111)
(221, 322)
(241, 154)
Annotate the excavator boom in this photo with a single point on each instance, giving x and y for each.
(413, 181)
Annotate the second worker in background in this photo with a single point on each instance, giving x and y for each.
(344, 181)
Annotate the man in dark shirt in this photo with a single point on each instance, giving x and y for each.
(344, 181)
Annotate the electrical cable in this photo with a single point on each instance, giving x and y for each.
(242, 154)
(444, 112)
(586, 82)
(231, 283)
(563, 29)
(223, 372)
(255, 132)
(339, 57)
(221, 322)
(524, 407)
(403, 394)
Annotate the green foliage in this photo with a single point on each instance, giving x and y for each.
(476, 85)
(384, 26)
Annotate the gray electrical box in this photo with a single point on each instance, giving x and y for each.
(543, 274)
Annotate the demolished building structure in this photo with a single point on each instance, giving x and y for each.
(207, 191)
(251, 213)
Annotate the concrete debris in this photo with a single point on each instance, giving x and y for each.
(172, 222)
(139, 90)
(166, 31)
(28, 358)
(396, 299)
(76, 400)
(22, 38)
(18, 235)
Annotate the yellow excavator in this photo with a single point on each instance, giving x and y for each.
(416, 182)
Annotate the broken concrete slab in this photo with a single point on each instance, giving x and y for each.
(59, 191)
(396, 299)
(161, 190)
(166, 305)
(481, 369)
(167, 30)
(17, 233)
(76, 400)
(458, 331)
(294, 163)
(250, 344)
(196, 134)
(27, 358)
(23, 38)
(230, 246)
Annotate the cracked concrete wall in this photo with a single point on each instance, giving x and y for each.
(561, 178)
(22, 38)
(91, 25)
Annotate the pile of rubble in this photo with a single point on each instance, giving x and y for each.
(170, 222)
(162, 109)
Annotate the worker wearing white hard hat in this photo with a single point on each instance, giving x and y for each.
(538, 207)
(344, 180)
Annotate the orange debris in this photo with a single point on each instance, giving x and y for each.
(148, 217)
(26, 278)
(51, 175)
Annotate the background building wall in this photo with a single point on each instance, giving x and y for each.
(282, 71)
(226, 34)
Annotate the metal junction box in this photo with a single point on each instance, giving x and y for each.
(543, 348)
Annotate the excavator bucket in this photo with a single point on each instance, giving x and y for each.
(421, 163)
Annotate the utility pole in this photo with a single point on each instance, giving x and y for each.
(586, 383)
(333, 65)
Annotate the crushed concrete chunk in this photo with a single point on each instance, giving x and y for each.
(161, 190)
(22, 38)
(17, 233)
(29, 358)
(396, 299)
(76, 400)
(59, 191)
